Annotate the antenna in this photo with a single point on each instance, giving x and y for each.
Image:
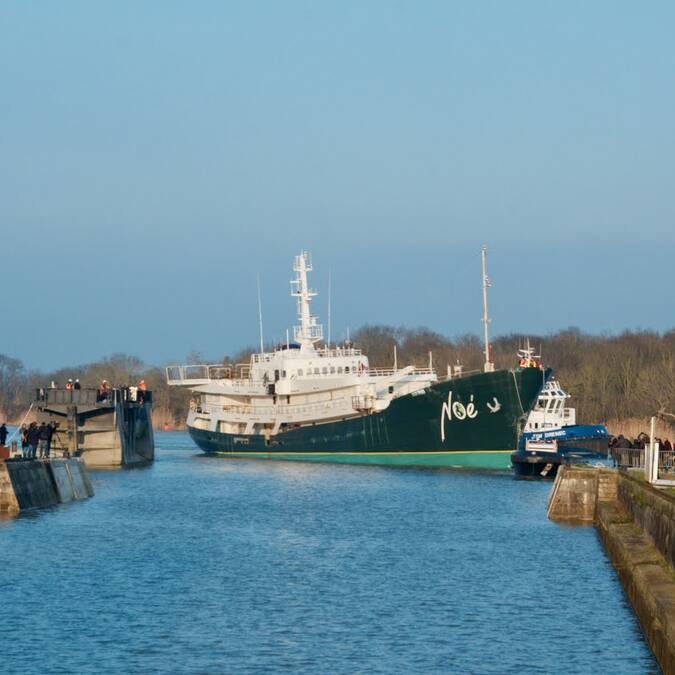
(330, 291)
(260, 320)
(488, 365)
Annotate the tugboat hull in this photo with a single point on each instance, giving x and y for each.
(536, 465)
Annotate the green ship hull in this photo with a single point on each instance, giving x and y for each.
(472, 422)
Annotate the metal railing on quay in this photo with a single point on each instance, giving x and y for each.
(628, 458)
(634, 458)
(91, 396)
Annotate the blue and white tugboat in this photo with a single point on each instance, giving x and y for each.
(551, 435)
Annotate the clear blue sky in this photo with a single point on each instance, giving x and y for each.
(156, 156)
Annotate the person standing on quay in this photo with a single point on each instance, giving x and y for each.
(33, 435)
(3, 433)
(24, 441)
(44, 434)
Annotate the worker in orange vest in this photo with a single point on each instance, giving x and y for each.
(141, 392)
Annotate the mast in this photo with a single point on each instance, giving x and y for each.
(308, 331)
(488, 366)
(260, 319)
(330, 294)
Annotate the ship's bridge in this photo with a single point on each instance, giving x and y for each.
(297, 363)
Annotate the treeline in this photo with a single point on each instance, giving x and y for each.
(609, 377)
(18, 385)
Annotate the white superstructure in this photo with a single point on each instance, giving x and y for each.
(297, 384)
(550, 412)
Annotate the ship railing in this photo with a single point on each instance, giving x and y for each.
(275, 410)
(183, 374)
(313, 332)
(388, 372)
(264, 357)
(334, 352)
(463, 373)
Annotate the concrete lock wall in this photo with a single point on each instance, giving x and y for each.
(29, 485)
(653, 510)
(36, 484)
(637, 526)
(574, 495)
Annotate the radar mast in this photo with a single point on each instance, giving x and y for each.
(309, 330)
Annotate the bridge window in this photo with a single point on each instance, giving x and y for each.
(299, 372)
(324, 371)
(346, 369)
(316, 371)
(339, 370)
(332, 370)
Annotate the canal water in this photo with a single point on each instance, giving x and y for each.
(207, 565)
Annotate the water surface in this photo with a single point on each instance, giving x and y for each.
(207, 565)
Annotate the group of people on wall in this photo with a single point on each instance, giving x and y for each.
(37, 439)
(103, 391)
(639, 442)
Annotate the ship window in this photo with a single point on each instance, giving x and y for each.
(316, 371)
(332, 370)
(346, 369)
(283, 373)
(299, 372)
(324, 370)
(340, 370)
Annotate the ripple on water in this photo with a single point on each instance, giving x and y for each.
(198, 564)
